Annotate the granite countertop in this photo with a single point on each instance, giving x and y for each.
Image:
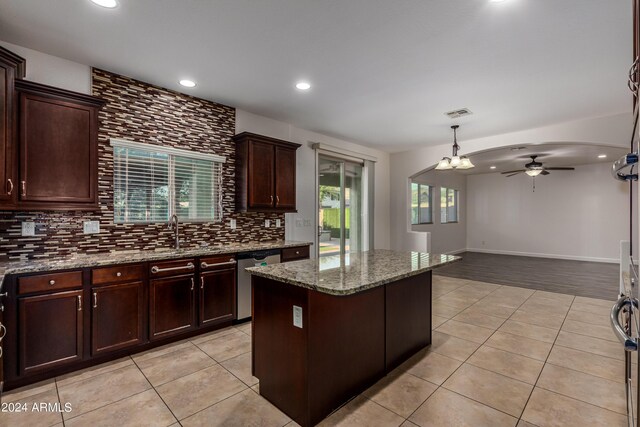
(126, 257)
(352, 273)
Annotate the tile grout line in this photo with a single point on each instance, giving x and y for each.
(55, 381)
(545, 361)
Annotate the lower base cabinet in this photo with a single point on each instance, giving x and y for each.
(117, 317)
(217, 296)
(172, 306)
(50, 330)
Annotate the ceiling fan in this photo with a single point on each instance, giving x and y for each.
(534, 168)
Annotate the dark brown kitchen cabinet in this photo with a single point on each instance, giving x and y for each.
(50, 330)
(117, 316)
(58, 148)
(217, 290)
(295, 254)
(171, 298)
(11, 67)
(265, 173)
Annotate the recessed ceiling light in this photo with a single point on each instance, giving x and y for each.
(188, 83)
(602, 156)
(492, 167)
(110, 4)
(303, 86)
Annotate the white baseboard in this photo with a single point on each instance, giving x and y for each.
(457, 251)
(539, 255)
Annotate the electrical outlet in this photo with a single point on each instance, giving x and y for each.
(28, 228)
(232, 224)
(297, 316)
(307, 223)
(267, 223)
(278, 223)
(91, 227)
(298, 222)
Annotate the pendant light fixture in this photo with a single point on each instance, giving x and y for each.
(455, 161)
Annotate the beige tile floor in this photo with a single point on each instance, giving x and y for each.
(501, 356)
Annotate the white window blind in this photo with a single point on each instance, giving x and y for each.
(151, 183)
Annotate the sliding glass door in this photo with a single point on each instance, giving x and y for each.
(340, 204)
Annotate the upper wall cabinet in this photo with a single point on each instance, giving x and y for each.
(265, 173)
(11, 67)
(58, 148)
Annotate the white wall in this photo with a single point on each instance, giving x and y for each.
(610, 130)
(52, 70)
(301, 225)
(574, 215)
(451, 237)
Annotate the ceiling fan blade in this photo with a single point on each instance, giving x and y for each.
(513, 172)
(560, 169)
(544, 172)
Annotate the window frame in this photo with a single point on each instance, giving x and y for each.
(172, 153)
(456, 196)
(430, 207)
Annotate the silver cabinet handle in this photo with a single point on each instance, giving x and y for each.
(297, 252)
(271, 199)
(95, 300)
(201, 282)
(52, 282)
(156, 269)
(4, 331)
(277, 200)
(10, 186)
(192, 284)
(118, 274)
(205, 265)
(24, 188)
(79, 302)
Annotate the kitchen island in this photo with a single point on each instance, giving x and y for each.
(326, 329)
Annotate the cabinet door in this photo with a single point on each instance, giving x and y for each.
(217, 296)
(261, 161)
(172, 306)
(58, 151)
(285, 178)
(49, 330)
(117, 317)
(7, 118)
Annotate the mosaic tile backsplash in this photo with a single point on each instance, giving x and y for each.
(140, 112)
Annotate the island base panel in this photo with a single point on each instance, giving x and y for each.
(346, 348)
(279, 348)
(346, 343)
(408, 318)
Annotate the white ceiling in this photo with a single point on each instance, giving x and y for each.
(550, 155)
(383, 72)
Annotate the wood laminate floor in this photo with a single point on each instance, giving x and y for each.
(581, 278)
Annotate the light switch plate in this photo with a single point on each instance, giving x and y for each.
(91, 227)
(278, 223)
(297, 316)
(232, 224)
(267, 223)
(28, 228)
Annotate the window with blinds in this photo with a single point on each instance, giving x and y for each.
(151, 183)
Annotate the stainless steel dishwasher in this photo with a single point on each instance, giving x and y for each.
(245, 260)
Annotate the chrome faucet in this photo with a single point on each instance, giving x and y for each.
(173, 223)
